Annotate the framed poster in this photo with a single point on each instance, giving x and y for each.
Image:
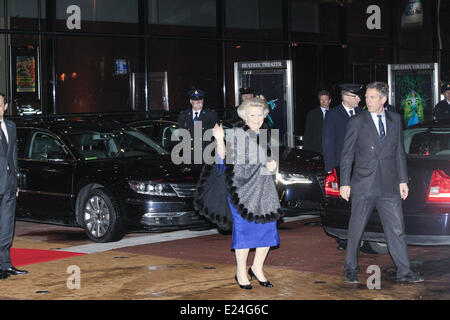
(414, 90)
(26, 73)
(272, 79)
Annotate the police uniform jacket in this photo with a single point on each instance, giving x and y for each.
(442, 110)
(333, 135)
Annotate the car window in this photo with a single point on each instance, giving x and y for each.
(93, 145)
(148, 129)
(44, 146)
(427, 142)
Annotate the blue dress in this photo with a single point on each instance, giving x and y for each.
(248, 234)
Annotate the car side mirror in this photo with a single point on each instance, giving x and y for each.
(58, 157)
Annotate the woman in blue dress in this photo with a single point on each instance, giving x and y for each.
(242, 190)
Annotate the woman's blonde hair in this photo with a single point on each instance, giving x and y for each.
(257, 101)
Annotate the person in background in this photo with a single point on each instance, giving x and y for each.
(312, 139)
(246, 93)
(442, 108)
(187, 118)
(333, 131)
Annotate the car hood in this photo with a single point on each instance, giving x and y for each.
(147, 168)
(294, 160)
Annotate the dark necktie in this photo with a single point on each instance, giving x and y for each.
(196, 116)
(381, 127)
(351, 113)
(325, 114)
(4, 141)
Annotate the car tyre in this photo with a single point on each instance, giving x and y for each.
(374, 247)
(101, 217)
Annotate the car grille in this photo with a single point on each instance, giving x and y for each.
(184, 190)
(321, 179)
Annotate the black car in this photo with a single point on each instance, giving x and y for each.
(426, 211)
(103, 176)
(301, 175)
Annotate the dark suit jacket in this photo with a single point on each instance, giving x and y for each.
(378, 168)
(442, 110)
(312, 139)
(8, 161)
(333, 135)
(208, 117)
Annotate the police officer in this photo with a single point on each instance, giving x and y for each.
(442, 108)
(207, 117)
(334, 128)
(246, 93)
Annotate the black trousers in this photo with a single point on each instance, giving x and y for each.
(391, 216)
(7, 224)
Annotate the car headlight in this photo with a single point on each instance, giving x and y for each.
(152, 188)
(292, 178)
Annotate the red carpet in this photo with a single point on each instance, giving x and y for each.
(22, 257)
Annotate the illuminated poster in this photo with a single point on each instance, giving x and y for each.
(272, 79)
(414, 91)
(412, 16)
(25, 73)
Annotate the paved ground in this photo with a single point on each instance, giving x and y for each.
(199, 265)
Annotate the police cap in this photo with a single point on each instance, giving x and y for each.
(351, 87)
(246, 90)
(196, 94)
(445, 87)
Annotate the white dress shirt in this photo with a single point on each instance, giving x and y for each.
(348, 110)
(5, 130)
(198, 113)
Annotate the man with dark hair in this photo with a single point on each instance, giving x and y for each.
(442, 108)
(373, 171)
(312, 139)
(8, 190)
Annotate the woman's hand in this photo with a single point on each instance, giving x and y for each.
(271, 165)
(218, 132)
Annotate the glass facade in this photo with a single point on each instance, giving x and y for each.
(73, 56)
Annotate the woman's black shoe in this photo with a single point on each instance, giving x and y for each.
(264, 284)
(246, 286)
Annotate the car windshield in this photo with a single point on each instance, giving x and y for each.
(93, 145)
(428, 142)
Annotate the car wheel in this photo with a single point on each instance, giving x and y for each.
(100, 216)
(374, 247)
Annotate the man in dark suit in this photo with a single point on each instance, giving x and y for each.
(442, 108)
(312, 139)
(206, 117)
(335, 122)
(373, 170)
(8, 190)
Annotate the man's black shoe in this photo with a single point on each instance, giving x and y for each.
(4, 275)
(351, 276)
(411, 277)
(14, 271)
(342, 245)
